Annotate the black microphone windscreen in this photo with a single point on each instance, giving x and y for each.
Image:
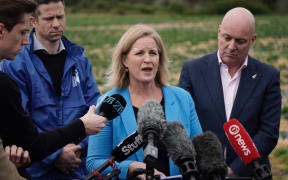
(112, 106)
(150, 118)
(177, 142)
(210, 159)
(127, 147)
(120, 99)
(99, 105)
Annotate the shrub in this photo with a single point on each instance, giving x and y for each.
(138, 8)
(222, 6)
(285, 112)
(144, 9)
(280, 152)
(283, 134)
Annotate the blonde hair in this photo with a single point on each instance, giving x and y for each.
(117, 76)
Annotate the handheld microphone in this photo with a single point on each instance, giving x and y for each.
(122, 151)
(110, 106)
(245, 148)
(127, 147)
(180, 148)
(210, 159)
(150, 117)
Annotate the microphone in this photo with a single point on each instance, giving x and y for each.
(122, 151)
(110, 106)
(150, 117)
(127, 147)
(180, 148)
(210, 159)
(245, 148)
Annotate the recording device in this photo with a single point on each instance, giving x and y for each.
(210, 159)
(122, 151)
(245, 148)
(110, 106)
(181, 149)
(127, 147)
(150, 117)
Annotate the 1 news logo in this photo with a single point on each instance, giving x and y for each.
(234, 130)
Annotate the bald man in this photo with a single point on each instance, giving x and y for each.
(231, 84)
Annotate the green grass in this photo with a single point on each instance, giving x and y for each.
(185, 37)
(282, 153)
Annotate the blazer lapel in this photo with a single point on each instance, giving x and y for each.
(248, 81)
(171, 111)
(129, 119)
(211, 74)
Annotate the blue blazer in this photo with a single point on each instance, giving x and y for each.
(257, 104)
(178, 106)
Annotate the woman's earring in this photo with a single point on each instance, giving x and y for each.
(126, 69)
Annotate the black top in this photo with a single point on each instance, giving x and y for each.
(162, 163)
(54, 64)
(17, 128)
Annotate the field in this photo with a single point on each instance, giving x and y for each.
(186, 38)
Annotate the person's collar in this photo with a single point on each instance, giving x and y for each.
(39, 47)
(244, 65)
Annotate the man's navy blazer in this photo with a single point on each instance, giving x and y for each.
(257, 104)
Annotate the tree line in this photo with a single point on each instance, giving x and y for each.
(175, 6)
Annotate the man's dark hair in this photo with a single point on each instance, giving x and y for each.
(12, 11)
(37, 13)
(48, 1)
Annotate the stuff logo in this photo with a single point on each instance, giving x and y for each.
(130, 147)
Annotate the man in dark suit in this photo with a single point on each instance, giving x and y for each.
(231, 84)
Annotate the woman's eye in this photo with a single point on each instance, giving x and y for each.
(153, 53)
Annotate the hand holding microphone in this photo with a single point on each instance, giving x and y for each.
(122, 151)
(109, 108)
(246, 149)
(150, 118)
(138, 169)
(93, 123)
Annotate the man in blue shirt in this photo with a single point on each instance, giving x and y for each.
(56, 85)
